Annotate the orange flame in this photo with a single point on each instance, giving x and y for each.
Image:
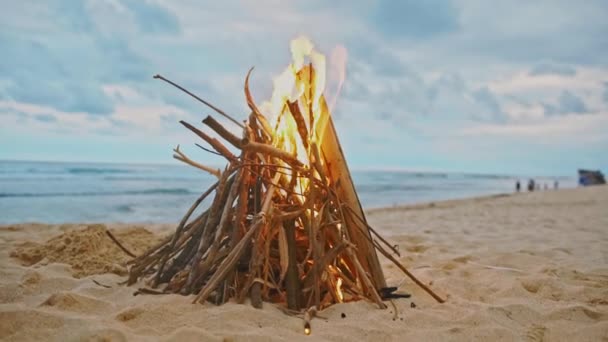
(303, 83)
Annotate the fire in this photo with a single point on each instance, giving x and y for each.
(299, 114)
(298, 96)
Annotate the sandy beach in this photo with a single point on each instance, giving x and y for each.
(530, 266)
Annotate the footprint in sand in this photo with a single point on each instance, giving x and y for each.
(129, 314)
(536, 333)
(73, 302)
(416, 248)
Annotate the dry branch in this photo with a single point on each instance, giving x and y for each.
(218, 146)
(221, 112)
(179, 155)
(223, 132)
(252, 146)
(122, 248)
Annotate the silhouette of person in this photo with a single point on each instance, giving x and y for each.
(531, 185)
(517, 186)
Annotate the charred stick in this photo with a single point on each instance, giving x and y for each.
(317, 163)
(292, 282)
(221, 112)
(410, 275)
(218, 146)
(222, 132)
(294, 109)
(256, 295)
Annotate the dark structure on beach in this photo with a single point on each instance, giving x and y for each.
(589, 177)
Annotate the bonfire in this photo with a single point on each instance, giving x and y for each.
(285, 224)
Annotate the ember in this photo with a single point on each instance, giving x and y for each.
(285, 225)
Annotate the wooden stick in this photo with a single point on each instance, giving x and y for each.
(209, 225)
(218, 146)
(230, 261)
(317, 163)
(179, 229)
(127, 252)
(221, 112)
(222, 226)
(144, 290)
(208, 150)
(410, 275)
(294, 109)
(256, 295)
(259, 116)
(179, 155)
(102, 285)
(252, 146)
(323, 262)
(366, 280)
(222, 132)
(391, 247)
(292, 282)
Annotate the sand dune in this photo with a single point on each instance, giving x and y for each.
(530, 267)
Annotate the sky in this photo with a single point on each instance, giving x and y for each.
(509, 87)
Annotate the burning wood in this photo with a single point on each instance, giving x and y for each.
(285, 225)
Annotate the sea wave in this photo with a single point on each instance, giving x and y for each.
(392, 187)
(94, 170)
(151, 178)
(159, 191)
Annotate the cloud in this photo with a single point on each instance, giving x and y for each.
(65, 67)
(567, 103)
(414, 19)
(487, 99)
(552, 69)
(152, 18)
(45, 117)
(417, 72)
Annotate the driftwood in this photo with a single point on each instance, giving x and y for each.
(281, 228)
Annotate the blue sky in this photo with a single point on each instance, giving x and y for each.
(463, 85)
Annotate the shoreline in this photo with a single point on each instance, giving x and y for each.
(368, 211)
(529, 266)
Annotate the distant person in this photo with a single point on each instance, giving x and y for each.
(531, 185)
(555, 185)
(517, 186)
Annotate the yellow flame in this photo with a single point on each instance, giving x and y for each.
(298, 83)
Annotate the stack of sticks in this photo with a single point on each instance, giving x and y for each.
(279, 228)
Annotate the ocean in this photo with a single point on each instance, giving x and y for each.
(57, 192)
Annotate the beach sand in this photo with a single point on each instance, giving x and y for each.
(530, 266)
